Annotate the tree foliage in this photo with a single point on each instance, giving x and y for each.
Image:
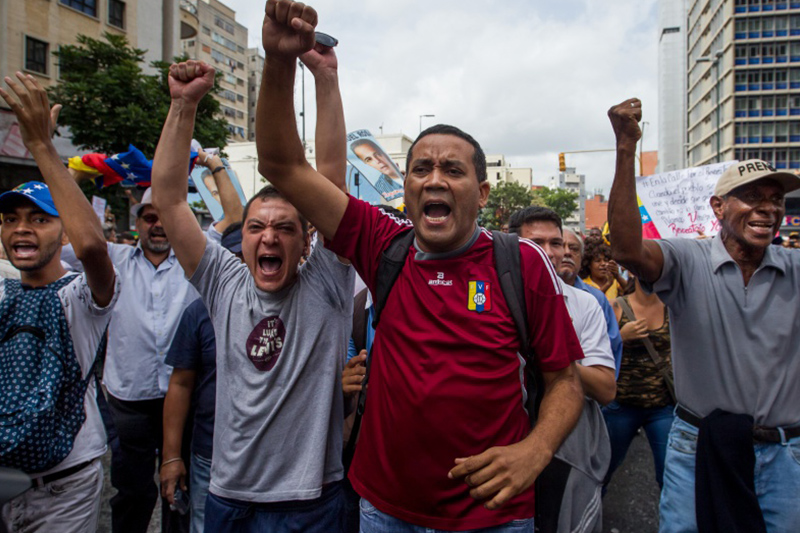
(504, 199)
(109, 103)
(562, 201)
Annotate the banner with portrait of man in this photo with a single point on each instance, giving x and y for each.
(375, 167)
(206, 184)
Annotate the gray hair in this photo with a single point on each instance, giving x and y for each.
(577, 237)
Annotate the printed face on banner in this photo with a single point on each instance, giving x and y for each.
(677, 202)
(206, 184)
(376, 169)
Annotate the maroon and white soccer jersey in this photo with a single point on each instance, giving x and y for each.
(446, 377)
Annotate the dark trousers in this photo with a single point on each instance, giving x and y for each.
(133, 459)
(322, 515)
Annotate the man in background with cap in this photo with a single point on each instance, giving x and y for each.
(154, 295)
(52, 324)
(733, 308)
(193, 382)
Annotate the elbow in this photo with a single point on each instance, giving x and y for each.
(90, 247)
(607, 394)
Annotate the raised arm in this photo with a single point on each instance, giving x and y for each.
(331, 135)
(37, 123)
(288, 32)
(188, 84)
(228, 197)
(643, 258)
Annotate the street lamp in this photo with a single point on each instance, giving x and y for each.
(715, 61)
(420, 120)
(641, 149)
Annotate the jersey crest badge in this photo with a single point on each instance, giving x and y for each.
(479, 296)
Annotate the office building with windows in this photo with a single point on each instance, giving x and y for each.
(222, 42)
(743, 81)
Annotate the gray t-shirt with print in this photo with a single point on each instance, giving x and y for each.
(280, 356)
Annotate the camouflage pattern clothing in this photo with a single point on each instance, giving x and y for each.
(640, 382)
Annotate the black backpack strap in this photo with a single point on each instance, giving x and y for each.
(392, 260)
(360, 321)
(391, 264)
(509, 272)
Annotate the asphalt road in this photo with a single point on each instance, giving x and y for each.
(630, 506)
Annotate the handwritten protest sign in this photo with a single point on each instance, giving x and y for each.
(677, 201)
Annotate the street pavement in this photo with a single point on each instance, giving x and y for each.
(630, 506)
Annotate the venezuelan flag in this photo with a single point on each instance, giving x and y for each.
(649, 230)
(480, 296)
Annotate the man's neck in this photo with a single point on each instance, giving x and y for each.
(569, 280)
(747, 257)
(155, 257)
(43, 276)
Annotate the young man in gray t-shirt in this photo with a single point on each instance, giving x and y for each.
(281, 330)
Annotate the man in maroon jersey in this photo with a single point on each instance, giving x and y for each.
(446, 442)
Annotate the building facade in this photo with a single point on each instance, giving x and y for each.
(571, 180)
(672, 84)
(255, 69)
(743, 73)
(498, 170)
(222, 42)
(33, 30)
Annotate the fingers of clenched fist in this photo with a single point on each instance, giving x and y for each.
(189, 70)
(625, 119)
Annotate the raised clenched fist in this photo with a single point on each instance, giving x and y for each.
(190, 81)
(625, 119)
(288, 29)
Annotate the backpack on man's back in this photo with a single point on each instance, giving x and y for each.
(42, 405)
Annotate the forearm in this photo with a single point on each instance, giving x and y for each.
(331, 135)
(598, 383)
(277, 142)
(170, 175)
(228, 198)
(559, 411)
(81, 223)
(176, 411)
(625, 223)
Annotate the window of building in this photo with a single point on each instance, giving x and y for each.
(36, 53)
(224, 24)
(781, 132)
(228, 95)
(239, 98)
(84, 6)
(781, 23)
(754, 25)
(116, 13)
(768, 24)
(206, 30)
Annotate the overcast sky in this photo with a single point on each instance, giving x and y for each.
(527, 78)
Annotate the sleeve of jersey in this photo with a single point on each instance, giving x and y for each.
(552, 336)
(364, 232)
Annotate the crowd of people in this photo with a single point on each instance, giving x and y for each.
(397, 372)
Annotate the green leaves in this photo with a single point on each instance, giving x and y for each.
(509, 197)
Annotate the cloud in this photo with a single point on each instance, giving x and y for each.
(527, 79)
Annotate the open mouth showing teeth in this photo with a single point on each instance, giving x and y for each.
(436, 212)
(269, 264)
(25, 250)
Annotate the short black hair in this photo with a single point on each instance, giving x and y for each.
(362, 142)
(533, 213)
(269, 191)
(478, 157)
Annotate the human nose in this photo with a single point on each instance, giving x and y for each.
(436, 179)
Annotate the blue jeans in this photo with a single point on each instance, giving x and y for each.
(777, 482)
(322, 515)
(198, 490)
(623, 421)
(374, 521)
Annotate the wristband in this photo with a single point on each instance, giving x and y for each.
(217, 169)
(168, 461)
